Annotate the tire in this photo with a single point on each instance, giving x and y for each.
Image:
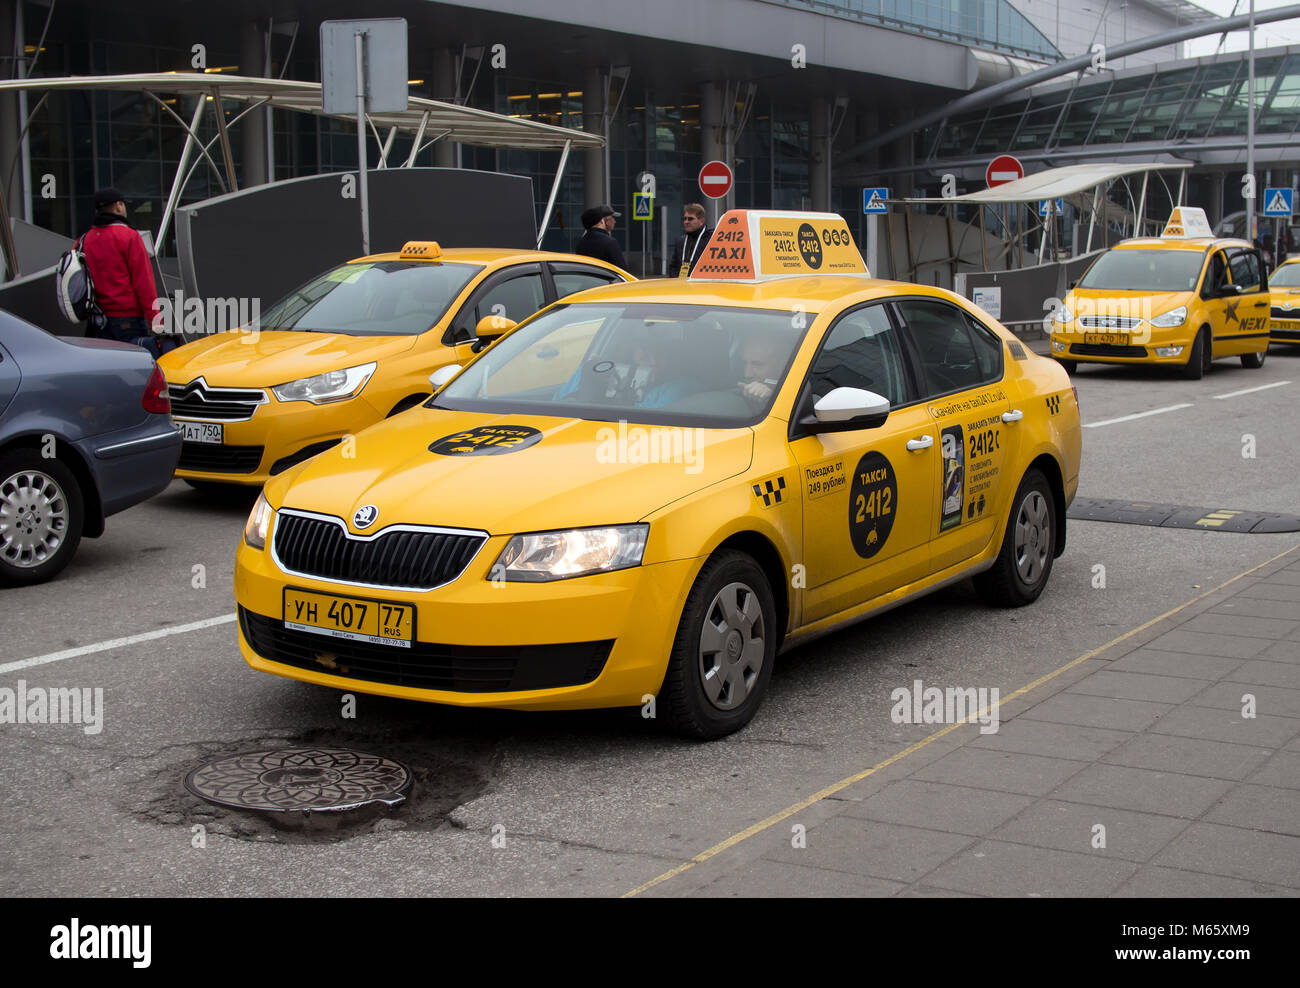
(1253, 361)
(41, 517)
(1070, 366)
(730, 607)
(1024, 564)
(1198, 360)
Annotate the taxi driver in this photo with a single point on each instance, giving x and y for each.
(760, 362)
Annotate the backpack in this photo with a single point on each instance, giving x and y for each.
(74, 288)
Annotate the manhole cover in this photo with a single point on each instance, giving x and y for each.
(297, 781)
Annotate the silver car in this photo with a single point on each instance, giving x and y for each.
(85, 431)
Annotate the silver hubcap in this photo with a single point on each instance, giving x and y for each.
(1033, 537)
(33, 519)
(732, 646)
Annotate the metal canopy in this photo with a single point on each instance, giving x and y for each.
(462, 124)
(1055, 183)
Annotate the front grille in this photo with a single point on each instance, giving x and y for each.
(419, 560)
(1278, 312)
(1109, 322)
(197, 400)
(206, 457)
(1106, 350)
(458, 668)
(1284, 334)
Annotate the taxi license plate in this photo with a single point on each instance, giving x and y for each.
(200, 432)
(1289, 324)
(357, 619)
(1107, 339)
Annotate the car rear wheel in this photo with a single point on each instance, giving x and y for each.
(1198, 359)
(723, 654)
(1024, 564)
(41, 517)
(1254, 361)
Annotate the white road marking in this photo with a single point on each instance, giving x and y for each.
(1246, 391)
(104, 646)
(1138, 415)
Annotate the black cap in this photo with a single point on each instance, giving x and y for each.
(592, 216)
(108, 196)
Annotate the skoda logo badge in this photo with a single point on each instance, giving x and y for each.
(365, 516)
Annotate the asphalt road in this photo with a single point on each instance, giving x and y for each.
(546, 804)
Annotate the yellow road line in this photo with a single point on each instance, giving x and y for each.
(835, 787)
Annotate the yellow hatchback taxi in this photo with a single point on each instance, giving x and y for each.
(643, 494)
(1182, 299)
(1284, 290)
(350, 348)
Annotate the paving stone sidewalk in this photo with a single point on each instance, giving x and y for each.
(1147, 739)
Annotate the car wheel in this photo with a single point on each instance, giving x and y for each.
(723, 654)
(1070, 365)
(41, 516)
(1024, 564)
(1253, 360)
(1198, 360)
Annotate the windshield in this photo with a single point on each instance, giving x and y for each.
(1286, 276)
(1145, 270)
(693, 365)
(373, 298)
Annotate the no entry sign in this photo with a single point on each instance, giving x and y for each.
(716, 179)
(1003, 169)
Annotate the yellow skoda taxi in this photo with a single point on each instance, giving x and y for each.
(350, 348)
(1182, 299)
(644, 493)
(1284, 289)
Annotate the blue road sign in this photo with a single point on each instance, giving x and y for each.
(643, 206)
(1279, 202)
(1056, 209)
(874, 200)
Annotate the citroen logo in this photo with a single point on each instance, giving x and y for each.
(365, 516)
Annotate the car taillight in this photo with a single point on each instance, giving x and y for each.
(155, 397)
(1075, 389)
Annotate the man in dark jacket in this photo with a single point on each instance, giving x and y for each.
(691, 244)
(597, 242)
(120, 269)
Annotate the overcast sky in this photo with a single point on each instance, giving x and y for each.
(1266, 35)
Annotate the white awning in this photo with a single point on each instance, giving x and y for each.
(462, 124)
(1055, 183)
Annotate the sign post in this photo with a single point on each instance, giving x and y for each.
(351, 82)
(716, 179)
(874, 203)
(1003, 169)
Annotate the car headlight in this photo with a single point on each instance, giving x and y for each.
(259, 523)
(578, 552)
(1064, 315)
(331, 386)
(1174, 317)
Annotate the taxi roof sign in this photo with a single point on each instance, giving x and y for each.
(1186, 222)
(426, 249)
(759, 244)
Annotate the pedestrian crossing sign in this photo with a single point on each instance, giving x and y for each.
(1279, 202)
(643, 206)
(874, 200)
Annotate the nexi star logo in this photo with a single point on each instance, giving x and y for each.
(365, 516)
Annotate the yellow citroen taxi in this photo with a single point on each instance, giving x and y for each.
(1284, 291)
(350, 348)
(1182, 299)
(642, 494)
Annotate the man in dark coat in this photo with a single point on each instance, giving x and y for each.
(690, 245)
(597, 242)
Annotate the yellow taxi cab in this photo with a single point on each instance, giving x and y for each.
(643, 493)
(1284, 292)
(1182, 299)
(350, 348)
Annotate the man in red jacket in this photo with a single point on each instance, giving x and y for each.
(120, 269)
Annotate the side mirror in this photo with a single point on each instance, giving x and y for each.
(1072, 284)
(490, 327)
(442, 375)
(847, 409)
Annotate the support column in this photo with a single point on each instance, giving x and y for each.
(252, 129)
(10, 124)
(595, 96)
(819, 157)
(444, 90)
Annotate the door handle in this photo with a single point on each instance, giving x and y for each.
(1261, 305)
(925, 442)
(1015, 415)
